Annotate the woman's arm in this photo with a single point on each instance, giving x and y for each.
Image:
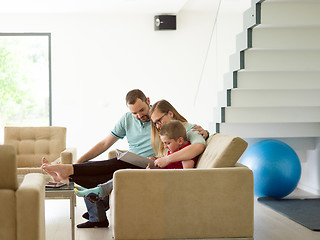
(188, 152)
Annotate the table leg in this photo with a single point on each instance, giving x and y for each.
(72, 205)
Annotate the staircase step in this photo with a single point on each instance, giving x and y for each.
(270, 130)
(273, 36)
(270, 114)
(278, 59)
(276, 93)
(292, 12)
(278, 79)
(273, 97)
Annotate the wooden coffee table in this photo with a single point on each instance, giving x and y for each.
(65, 192)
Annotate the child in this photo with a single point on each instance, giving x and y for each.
(173, 136)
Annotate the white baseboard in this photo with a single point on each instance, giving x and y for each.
(309, 189)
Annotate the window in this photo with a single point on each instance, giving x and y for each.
(25, 79)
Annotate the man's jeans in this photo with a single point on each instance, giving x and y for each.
(97, 210)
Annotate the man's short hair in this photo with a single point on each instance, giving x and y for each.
(133, 95)
(173, 130)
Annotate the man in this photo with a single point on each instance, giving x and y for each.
(136, 126)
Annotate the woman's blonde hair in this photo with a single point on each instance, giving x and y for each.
(163, 106)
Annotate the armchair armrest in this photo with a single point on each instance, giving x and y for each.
(193, 203)
(68, 156)
(30, 208)
(113, 154)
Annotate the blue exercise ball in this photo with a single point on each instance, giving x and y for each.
(276, 168)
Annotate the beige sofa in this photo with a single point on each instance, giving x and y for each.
(215, 200)
(33, 143)
(22, 208)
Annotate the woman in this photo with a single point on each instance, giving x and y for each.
(90, 174)
(162, 112)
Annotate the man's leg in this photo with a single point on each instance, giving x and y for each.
(97, 214)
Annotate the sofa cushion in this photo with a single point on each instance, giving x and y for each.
(222, 151)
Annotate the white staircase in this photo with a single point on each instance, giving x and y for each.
(276, 91)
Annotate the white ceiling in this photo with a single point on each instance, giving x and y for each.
(67, 6)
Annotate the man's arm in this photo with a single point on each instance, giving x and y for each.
(101, 147)
(188, 152)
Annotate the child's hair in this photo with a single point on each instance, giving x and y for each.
(173, 129)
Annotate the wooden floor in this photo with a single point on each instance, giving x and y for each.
(269, 225)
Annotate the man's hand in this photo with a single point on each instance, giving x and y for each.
(162, 162)
(201, 131)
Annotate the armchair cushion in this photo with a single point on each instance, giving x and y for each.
(8, 169)
(32, 143)
(8, 214)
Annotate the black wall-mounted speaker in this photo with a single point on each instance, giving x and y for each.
(165, 22)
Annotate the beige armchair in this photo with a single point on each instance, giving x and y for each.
(22, 208)
(215, 200)
(33, 143)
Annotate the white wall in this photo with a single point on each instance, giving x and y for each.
(98, 58)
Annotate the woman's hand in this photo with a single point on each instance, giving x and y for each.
(162, 162)
(201, 131)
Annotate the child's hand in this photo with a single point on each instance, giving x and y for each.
(152, 158)
(148, 167)
(162, 162)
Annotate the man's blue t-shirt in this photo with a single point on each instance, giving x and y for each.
(138, 134)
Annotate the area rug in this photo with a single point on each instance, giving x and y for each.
(303, 211)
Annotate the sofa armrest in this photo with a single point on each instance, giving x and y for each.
(30, 208)
(193, 203)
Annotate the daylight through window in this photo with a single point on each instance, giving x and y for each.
(25, 81)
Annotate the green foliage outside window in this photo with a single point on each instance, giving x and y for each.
(24, 81)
